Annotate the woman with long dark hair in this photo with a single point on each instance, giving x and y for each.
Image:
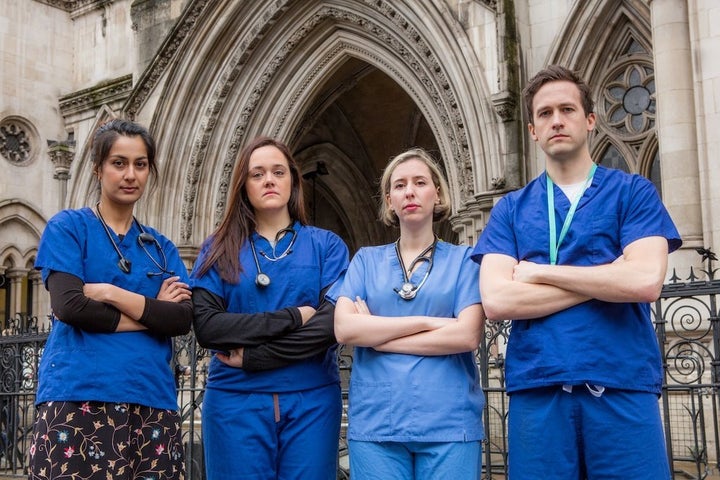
(106, 399)
(272, 402)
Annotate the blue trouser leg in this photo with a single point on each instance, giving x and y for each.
(309, 434)
(414, 460)
(574, 436)
(266, 436)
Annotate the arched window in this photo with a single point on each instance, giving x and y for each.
(4, 302)
(612, 158)
(625, 137)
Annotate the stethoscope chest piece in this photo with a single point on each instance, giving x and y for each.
(262, 280)
(124, 264)
(407, 291)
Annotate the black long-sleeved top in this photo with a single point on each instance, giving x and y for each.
(269, 339)
(71, 306)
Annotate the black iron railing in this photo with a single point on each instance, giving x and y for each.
(688, 329)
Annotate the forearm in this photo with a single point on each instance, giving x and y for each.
(218, 329)
(311, 339)
(127, 324)
(365, 330)
(463, 335)
(505, 297)
(512, 300)
(436, 342)
(71, 306)
(636, 276)
(167, 318)
(616, 282)
(129, 303)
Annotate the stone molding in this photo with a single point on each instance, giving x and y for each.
(408, 44)
(151, 76)
(116, 90)
(73, 6)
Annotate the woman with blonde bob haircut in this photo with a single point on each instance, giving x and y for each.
(412, 310)
(441, 210)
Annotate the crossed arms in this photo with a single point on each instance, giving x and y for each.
(525, 290)
(415, 335)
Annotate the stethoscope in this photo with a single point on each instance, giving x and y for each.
(409, 290)
(124, 264)
(262, 280)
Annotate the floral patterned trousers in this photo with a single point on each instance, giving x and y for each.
(97, 440)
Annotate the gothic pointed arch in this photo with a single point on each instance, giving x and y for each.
(23, 213)
(252, 68)
(23, 223)
(342, 185)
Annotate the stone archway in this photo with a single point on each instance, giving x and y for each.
(368, 78)
(21, 289)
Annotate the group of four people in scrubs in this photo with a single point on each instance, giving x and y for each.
(572, 259)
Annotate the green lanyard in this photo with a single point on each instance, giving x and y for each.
(554, 241)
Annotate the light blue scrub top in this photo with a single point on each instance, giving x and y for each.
(404, 398)
(76, 365)
(599, 343)
(318, 258)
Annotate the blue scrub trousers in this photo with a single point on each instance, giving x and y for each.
(577, 436)
(414, 460)
(272, 436)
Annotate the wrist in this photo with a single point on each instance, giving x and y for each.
(106, 293)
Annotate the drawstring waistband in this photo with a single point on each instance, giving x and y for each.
(595, 390)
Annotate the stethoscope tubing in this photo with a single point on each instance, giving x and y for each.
(408, 290)
(262, 279)
(124, 264)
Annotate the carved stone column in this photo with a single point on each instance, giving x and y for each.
(40, 299)
(506, 100)
(61, 155)
(676, 117)
(15, 275)
(470, 220)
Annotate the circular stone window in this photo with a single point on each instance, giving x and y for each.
(18, 141)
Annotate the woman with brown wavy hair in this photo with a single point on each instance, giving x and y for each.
(272, 402)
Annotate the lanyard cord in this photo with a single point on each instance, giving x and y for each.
(554, 240)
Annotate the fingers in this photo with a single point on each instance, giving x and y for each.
(174, 291)
(234, 358)
(361, 306)
(306, 312)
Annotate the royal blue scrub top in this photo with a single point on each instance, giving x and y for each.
(76, 365)
(599, 343)
(317, 259)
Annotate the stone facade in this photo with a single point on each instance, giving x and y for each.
(347, 84)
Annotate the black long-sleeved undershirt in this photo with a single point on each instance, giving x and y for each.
(269, 339)
(311, 339)
(219, 329)
(71, 306)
